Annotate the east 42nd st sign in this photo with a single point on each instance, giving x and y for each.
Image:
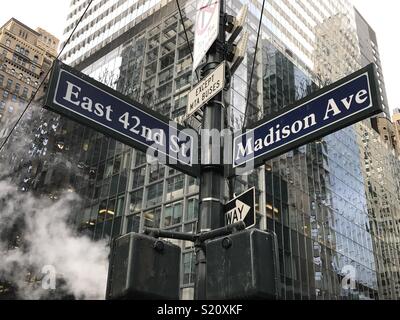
(91, 103)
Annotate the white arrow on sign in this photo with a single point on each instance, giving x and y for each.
(239, 213)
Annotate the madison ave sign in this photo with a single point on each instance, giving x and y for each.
(330, 109)
(93, 104)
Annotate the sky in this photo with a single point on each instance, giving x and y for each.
(381, 15)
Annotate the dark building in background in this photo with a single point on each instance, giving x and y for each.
(370, 54)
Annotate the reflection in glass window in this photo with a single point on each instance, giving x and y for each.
(192, 209)
(168, 211)
(102, 210)
(120, 206)
(140, 158)
(116, 230)
(175, 183)
(133, 223)
(173, 214)
(108, 169)
(188, 261)
(152, 218)
(156, 172)
(178, 212)
(154, 194)
(117, 165)
(193, 185)
(136, 201)
(138, 177)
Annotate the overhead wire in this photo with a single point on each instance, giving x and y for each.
(186, 35)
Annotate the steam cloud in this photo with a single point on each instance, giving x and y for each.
(49, 240)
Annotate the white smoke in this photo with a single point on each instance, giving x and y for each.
(49, 240)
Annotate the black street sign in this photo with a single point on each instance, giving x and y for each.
(97, 106)
(242, 208)
(330, 109)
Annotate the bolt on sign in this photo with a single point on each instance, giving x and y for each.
(80, 98)
(206, 28)
(207, 88)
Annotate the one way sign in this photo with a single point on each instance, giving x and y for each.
(242, 209)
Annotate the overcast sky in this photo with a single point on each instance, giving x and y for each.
(383, 16)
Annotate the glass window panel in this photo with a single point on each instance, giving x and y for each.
(192, 209)
(152, 218)
(133, 223)
(120, 206)
(178, 211)
(168, 211)
(136, 199)
(138, 177)
(116, 230)
(154, 194)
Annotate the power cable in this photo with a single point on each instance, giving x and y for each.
(186, 35)
(232, 185)
(254, 62)
(44, 79)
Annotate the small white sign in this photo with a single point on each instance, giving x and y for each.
(206, 28)
(206, 89)
(242, 208)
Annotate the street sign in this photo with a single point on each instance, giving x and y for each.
(207, 88)
(206, 28)
(242, 208)
(97, 106)
(339, 105)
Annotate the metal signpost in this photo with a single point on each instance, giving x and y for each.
(212, 181)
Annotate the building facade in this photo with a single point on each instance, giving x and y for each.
(26, 54)
(316, 198)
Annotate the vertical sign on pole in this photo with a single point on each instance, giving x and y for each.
(206, 28)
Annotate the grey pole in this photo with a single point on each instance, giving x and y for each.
(210, 214)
